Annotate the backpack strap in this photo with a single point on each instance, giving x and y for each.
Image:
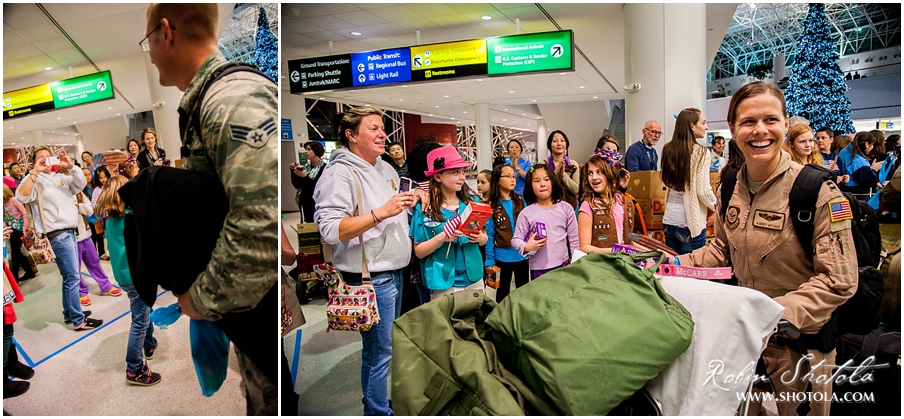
(192, 120)
(802, 202)
(728, 180)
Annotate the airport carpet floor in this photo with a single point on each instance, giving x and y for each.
(84, 373)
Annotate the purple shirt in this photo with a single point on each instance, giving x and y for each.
(561, 228)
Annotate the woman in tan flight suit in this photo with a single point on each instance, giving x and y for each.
(757, 239)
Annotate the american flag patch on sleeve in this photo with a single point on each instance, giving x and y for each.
(840, 210)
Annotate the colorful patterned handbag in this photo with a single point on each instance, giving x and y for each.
(353, 307)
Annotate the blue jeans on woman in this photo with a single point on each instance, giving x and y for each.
(377, 343)
(141, 333)
(65, 247)
(680, 240)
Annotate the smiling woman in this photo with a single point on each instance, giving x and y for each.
(809, 283)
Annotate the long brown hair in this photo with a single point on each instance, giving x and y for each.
(610, 172)
(676, 155)
(109, 204)
(436, 197)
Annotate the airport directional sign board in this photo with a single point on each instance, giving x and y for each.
(57, 95)
(498, 56)
(548, 51)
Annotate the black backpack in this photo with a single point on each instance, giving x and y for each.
(860, 314)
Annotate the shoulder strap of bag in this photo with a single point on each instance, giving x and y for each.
(365, 273)
(728, 181)
(802, 202)
(41, 206)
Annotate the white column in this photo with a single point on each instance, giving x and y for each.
(166, 118)
(37, 137)
(542, 133)
(484, 136)
(665, 51)
(80, 146)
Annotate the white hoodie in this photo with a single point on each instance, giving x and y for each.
(387, 246)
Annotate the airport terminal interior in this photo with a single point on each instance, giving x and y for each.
(476, 76)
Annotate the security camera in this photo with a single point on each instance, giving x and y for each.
(157, 105)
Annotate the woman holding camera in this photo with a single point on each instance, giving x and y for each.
(151, 155)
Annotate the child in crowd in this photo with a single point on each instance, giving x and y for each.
(483, 185)
(101, 174)
(141, 334)
(801, 147)
(88, 255)
(450, 261)
(129, 168)
(507, 205)
(546, 197)
(16, 218)
(606, 217)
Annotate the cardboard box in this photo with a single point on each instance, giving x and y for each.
(308, 235)
(657, 234)
(474, 217)
(714, 178)
(653, 210)
(646, 185)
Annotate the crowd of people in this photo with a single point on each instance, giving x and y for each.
(585, 208)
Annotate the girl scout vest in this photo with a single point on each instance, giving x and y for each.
(503, 231)
(604, 233)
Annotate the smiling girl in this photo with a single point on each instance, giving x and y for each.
(603, 219)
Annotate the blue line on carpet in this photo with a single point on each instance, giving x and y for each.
(295, 357)
(86, 336)
(24, 355)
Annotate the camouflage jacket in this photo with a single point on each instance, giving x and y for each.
(238, 132)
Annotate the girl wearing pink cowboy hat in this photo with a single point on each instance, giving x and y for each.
(450, 261)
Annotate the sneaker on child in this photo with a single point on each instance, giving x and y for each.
(143, 377)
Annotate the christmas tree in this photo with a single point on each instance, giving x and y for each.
(266, 50)
(816, 88)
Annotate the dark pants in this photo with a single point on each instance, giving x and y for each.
(289, 399)
(18, 259)
(521, 270)
(98, 239)
(7, 342)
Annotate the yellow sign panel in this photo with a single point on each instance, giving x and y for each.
(27, 97)
(449, 54)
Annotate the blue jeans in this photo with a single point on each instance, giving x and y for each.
(680, 240)
(66, 249)
(141, 333)
(377, 344)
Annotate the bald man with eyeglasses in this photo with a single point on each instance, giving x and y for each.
(642, 156)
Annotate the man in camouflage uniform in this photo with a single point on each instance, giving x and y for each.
(238, 142)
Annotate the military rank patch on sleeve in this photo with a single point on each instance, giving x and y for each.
(255, 137)
(840, 210)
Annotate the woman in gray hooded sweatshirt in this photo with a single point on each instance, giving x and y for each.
(383, 224)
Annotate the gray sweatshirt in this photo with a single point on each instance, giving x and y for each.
(59, 207)
(387, 246)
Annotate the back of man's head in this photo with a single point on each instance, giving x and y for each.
(195, 21)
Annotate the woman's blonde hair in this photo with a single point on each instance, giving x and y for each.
(7, 193)
(109, 203)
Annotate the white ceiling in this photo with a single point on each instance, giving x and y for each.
(108, 34)
(515, 101)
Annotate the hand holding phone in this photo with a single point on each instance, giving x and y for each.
(52, 161)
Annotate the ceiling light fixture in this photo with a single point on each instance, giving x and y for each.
(511, 91)
(465, 112)
(436, 106)
(401, 100)
(356, 33)
(486, 17)
(48, 68)
(581, 87)
(505, 109)
(596, 97)
(429, 114)
(534, 100)
(445, 95)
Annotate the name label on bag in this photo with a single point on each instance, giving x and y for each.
(693, 272)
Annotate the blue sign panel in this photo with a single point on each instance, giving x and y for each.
(286, 129)
(381, 67)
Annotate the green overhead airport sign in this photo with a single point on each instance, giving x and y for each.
(57, 95)
(548, 51)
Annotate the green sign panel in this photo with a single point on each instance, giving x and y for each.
(548, 51)
(80, 90)
(57, 95)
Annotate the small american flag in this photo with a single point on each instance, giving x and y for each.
(452, 225)
(840, 210)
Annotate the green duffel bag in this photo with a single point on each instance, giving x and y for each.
(443, 364)
(587, 336)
